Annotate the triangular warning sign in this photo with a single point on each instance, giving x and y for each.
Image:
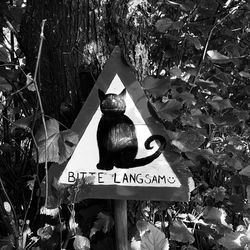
(156, 180)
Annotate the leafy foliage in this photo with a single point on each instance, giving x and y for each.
(103, 223)
(59, 145)
(149, 237)
(192, 59)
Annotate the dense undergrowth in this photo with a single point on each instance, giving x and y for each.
(192, 60)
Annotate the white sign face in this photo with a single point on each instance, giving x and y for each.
(83, 162)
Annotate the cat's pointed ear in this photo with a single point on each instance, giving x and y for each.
(123, 93)
(101, 94)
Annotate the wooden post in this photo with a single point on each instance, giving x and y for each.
(121, 229)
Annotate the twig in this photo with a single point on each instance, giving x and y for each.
(208, 40)
(42, 111)
(30, 200)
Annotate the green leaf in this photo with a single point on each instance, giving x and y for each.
(191, 70)
(176, 25)
(234, 241)
(222, 77)
(67, 143)
(226, 119)
(81, 243)
(220, 104)
(23, 122)
(150, 238)
(156, 87)
(45, 232)
(103, 223)
(207, 119)
(245, 171)
(169, 110)
(244, 74)
(175, 71)
(195, 41)
(4, 55)
(187, 119)
(8, 74)
(236, 203)
(188, 141)
(180, 232)
(186, 97)
(163, 25)
(59, 145)
(218, 193)
(217, 217)
(241, 114)
(4, 85)
(217, 57)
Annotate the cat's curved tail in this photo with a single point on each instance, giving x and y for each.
(148, 159)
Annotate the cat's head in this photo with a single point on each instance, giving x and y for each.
(112, 104)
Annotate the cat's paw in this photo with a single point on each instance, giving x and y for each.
(104, 166)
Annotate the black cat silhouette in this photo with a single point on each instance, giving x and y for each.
(116, 136)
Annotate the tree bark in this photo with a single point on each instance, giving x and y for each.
(79, 37)
(67, 32)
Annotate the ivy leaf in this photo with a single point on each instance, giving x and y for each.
(10, 75)
(220, 104)
(45, 232)
(217, 57)
(150, 238)
(103, 223)
(163, 25)
(176, 25)
(4, 85)
(67, 143)
(195, 41)
(23, 122)
(187, 119)
(81, 243)
(188, 141)
(241, 114)
(244, 74)
(220, 76)
(30, 82)
(175, 71)
(4, 56)
(191, 70)
(169, 110)
(236, 203)
(217, 216)
(186, 97)
(245, 171)
(59, 145)
(227, 119)
(180, 232)
(234, 241)
(218, 193)
(156, 87)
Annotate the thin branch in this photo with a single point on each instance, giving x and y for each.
(29, 205)
(42, 111)
(232, 11)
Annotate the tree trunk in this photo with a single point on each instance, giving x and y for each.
(62, 64)
(79, 37)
